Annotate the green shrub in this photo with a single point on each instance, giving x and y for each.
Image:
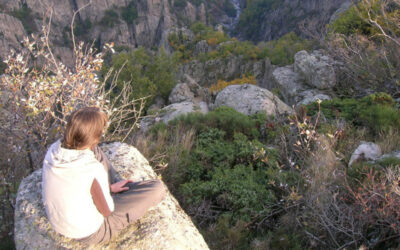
(200, 27)
(229, 8)
(226, 174)
(282, 239)
(3, 67)
(350, 22)
(227, 119)
(204, 32)
(82, 28)
(228, 169)
(150, 75)
(246, 49)
(380, 118)
(225, 166)
(110, 18)
(228, 234)
(25, 15)
(389, 161)
(129, 13)
(355, 19)
(197, 2)
(376, 111)
(252, 16)
(281, 52)
(358, 172)
(180, 3)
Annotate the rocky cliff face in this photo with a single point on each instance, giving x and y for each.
(148, 22)
(284, 16)
(127, 23)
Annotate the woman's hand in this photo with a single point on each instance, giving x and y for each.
(119, 186)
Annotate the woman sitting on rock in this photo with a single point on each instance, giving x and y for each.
(80, 202)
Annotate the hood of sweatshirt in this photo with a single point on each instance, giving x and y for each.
(59, 157)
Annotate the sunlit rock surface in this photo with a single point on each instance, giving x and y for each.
(165, 226)
(249, 99)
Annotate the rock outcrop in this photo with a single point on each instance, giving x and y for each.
(289, 83)
(207, 73)
(12, 33)
(316, 69)
(165, 226)
(365, 151)
(146, 24)
(170, 112)
(310, 96)
(188, 91)
(311, 77)
(249, 99)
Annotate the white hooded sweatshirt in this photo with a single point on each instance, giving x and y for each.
(67, 178)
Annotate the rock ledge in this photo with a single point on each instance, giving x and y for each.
(165, 226)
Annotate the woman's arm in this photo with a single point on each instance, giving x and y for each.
(99, 199)
(119, 186)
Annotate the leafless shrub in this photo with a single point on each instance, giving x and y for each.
(297, 145)
(343, 211)
(166, 146)
(389, 141)
(38, 92)
(329, 221)
(373, 61)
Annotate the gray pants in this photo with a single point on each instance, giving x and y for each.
(129, 205)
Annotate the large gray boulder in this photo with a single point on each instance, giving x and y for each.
(250, 99)
(201, 47)
(181, 93)
(174, 110)
(289, 83)
(316, 68)
(294, 89)
(309, 96)
(188, 91)
(165, 226)
(365, 151)
(170, 112)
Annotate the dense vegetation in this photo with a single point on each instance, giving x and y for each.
(366, 39)
(223, 171)
(26, 16)
(129, 14)
(378, 112)
(149, 74)
(110, 18)
(244, 193)
(253, 15)
(280, 52)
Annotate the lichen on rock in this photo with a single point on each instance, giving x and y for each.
(165, 226)
(249, 99)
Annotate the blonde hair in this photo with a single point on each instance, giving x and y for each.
(84, 128)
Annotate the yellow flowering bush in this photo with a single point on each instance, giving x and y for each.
(221, 84)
